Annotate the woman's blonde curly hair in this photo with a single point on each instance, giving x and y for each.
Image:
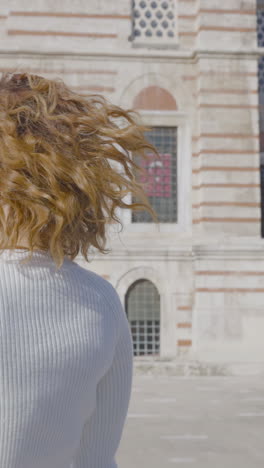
(54, 170)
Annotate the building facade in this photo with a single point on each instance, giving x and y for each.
(192, 286)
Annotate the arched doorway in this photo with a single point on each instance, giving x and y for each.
(142, 305)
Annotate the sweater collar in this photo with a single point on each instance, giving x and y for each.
(38, 256)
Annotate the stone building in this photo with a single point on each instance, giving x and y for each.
(192, 287)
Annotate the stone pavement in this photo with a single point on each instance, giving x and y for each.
(201, 422)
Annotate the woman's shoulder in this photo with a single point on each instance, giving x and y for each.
(101, 286)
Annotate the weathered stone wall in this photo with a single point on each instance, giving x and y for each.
(208, 267)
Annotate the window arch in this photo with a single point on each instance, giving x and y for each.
(142, 305)
(154, 97)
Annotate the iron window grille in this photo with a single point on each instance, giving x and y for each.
(160, 178)
(142, 306)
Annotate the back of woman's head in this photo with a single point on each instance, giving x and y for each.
(55, 175)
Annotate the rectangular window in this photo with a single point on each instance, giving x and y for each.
(260, 31)
(160, 178)
(154, 22)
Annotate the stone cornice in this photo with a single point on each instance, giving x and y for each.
(223, 249)
(139, 253)
(161, 55)
(229, 252)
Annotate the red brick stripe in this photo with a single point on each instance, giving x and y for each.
(187, 33)
(218, 12)
(229, 73)
(227, 186)
(67, 15)
(230, 290)
(219, 73)
(93, 88)
(62, 71)
(226, 168)
(184, 342)
(226, 106)
(228, 91)
(228, 12)
(189, 77)
(225, 29)
(227, 135)
(188, 17)
(229, 273)
(226, 151)
(184, 325)
(227, 220)
(216, 28)
(245, 204)
(17, 32)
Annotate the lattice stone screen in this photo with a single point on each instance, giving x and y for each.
(143, 313)
(160, 181)
(154, 22)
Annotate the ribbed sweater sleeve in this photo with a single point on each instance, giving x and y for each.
(66, 365)
(102, 433)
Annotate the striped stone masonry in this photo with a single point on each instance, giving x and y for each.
(208, 267)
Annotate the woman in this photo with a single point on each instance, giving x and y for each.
(66, 351)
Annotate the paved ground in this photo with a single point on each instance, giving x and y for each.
(201, 422)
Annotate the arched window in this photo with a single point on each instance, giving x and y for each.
(166, 180)
(142, 304)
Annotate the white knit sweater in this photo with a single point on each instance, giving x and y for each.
(66, 365)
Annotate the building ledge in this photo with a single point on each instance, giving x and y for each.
(185, 368)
